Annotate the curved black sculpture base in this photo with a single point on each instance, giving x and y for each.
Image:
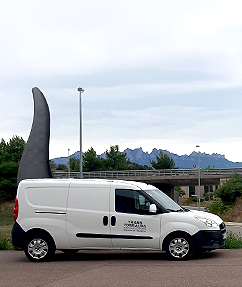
(35, 159)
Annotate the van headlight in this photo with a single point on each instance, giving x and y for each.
(207, 221)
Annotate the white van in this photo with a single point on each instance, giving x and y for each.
(72, 214)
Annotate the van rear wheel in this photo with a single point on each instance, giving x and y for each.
(179, 246)
(39, 247)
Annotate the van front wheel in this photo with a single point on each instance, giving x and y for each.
(39, 247)
(179, 246)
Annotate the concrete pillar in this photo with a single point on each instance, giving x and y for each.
(186, 189)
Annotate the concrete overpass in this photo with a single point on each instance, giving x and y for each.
(164, 179)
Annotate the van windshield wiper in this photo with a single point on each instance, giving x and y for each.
(172, 210)
(185, 209)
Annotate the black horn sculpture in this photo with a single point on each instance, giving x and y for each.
(35, 159)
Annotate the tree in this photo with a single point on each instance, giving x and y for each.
(74, 164)
(15, 148)
(163, 161)
(2, 149)
(102, 164)
(12, 151)
(180, 191)
(53, 167)
(115, 159)
(136, 166)
(62, 167)
(90, 160)
(10, 155)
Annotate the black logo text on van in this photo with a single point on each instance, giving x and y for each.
(135, 226)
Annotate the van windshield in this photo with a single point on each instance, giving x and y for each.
(164, 200)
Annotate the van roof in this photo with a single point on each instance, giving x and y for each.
(54, 181)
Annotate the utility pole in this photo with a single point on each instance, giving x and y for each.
(199, 179)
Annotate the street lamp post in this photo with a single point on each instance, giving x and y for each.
(68, 163)
(81, 90)
(199, 179)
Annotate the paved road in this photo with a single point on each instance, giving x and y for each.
(234, 227)
(113, 268)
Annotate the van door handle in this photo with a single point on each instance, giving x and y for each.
(105, 220)
(113, 220)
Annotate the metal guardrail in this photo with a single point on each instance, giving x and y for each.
(122, 174)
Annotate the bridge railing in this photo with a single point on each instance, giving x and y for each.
(122, 174)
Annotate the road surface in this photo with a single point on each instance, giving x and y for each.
(116, 269)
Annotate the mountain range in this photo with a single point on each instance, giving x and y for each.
(182, 161)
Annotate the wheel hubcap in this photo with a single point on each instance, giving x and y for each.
(179, 247)
(37, 248)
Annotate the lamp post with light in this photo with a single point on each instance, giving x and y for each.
(80, 90)
(199, 179)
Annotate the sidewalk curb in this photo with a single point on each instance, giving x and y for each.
(230, 223)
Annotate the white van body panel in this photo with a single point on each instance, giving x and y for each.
(139, 225)
(43, 205)
(87, 206)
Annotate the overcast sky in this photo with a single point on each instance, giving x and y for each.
(157, 74)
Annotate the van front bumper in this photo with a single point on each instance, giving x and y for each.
(208, 240)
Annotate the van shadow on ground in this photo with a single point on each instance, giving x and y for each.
(124, 255)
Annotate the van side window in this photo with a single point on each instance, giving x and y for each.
(131, 201)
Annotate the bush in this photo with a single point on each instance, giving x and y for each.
(8, 189)
(217, 206)
(230, 190)
(233, 241)
(194, 198)
(207, 195)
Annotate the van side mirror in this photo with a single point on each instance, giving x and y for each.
(153, 208)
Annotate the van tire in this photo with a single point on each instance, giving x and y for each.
(179, 246)
(39, 247)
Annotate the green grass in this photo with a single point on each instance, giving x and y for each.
(6, 223)
(6, 213)
(233, 241)
(5, 242)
